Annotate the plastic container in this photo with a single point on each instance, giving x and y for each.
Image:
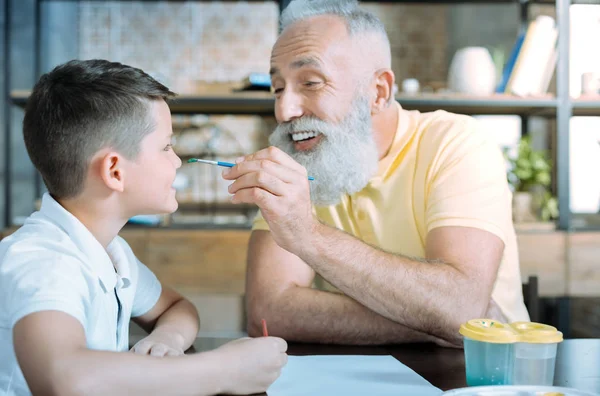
(535, 353)
(520, 353)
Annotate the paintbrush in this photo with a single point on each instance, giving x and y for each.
(222, 163)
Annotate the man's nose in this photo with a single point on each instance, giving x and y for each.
(288, 107)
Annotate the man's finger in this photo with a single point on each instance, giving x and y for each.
(261, 179)
(282, 172)
(276, 155)
(257, 196)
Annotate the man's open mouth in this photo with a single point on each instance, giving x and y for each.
(302, 136)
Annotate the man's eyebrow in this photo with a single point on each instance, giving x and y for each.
(310, 61)
(297, 64)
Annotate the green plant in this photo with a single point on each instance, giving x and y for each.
(548, 206)
(529, 168)
(530, 171)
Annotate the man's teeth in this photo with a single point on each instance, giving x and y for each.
(303, 136)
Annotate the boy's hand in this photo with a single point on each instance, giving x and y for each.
(255, 363)
(160, 342)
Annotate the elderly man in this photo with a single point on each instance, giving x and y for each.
(405, 232)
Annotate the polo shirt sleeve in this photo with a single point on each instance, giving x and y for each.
(467, 184)
(260, 223)
(147, 292)
(35, 281)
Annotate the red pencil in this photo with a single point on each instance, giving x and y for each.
(264, 326)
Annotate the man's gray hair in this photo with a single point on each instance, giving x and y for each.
(357, 20)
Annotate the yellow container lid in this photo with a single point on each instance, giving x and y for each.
(537, 333)
(488, 330)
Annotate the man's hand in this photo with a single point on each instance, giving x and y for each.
(279, 186)
(160, 342)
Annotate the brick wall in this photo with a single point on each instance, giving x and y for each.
(224, 41)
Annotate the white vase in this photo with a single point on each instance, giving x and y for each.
(472, 72)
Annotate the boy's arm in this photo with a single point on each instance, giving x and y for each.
(173, 324)
(51, 350)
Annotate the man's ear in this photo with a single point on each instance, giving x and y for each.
(384, 90)
(112, 172)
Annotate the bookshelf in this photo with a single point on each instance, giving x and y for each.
(586, 107)
(560, 107)
(262, 103)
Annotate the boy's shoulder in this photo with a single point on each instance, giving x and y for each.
(39, 247)
(37, 234)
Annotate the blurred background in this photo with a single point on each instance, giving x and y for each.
(529, 70)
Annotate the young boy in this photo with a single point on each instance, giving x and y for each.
(100, 135)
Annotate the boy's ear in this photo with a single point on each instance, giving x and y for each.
(112, 172)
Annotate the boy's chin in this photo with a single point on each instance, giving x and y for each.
(165, 209)
(169, 208)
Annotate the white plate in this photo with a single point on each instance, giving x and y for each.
(517, 390)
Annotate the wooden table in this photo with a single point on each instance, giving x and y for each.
(577, 362)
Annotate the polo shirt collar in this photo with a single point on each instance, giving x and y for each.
(97, 258)
(392, 159)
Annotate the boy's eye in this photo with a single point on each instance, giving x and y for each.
(168, 147)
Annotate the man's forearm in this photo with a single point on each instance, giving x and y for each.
(308, 315)
(431, 297)
(182, 320)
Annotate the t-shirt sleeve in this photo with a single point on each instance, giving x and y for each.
(260, 223)
(468, 185)
(147, 292)
(37, 281)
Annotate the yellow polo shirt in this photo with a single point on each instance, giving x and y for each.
(440, 171)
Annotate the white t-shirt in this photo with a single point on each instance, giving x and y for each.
(53, 262)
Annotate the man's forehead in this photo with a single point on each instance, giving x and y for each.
(313, 61)
(306, 45)
(330, 25)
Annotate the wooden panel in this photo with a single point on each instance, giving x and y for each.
(7, 231)
(543, 255)
(214, 261)
(205, 261)
(138, 241)
(584, 264)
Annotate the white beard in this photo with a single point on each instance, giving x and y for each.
(343, 161)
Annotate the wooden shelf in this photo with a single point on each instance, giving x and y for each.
(495, 104)
(586, 107)
(254, 103)
(261, 103)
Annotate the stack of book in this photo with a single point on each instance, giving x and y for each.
(532, 61)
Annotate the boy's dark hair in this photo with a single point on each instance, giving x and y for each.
(81, 107)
